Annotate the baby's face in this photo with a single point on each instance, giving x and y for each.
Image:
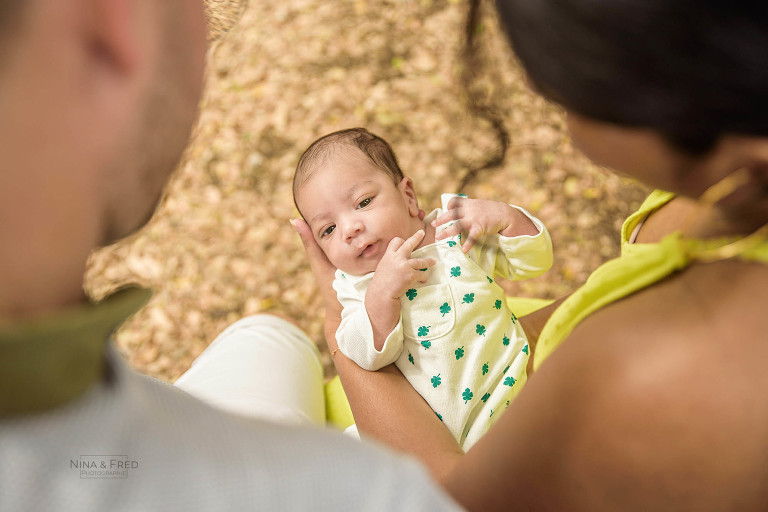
(354, 209)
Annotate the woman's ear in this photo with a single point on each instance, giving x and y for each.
(409, 195)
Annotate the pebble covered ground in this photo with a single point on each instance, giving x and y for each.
(220, 245)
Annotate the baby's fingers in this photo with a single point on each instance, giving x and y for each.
(447, 216)
(452, 230)
(474, 234)
(412, 242)
(456, 202)
(395, 244)
(422, 263)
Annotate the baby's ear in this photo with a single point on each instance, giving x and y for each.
(409, 195)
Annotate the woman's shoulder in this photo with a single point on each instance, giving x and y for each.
(688, 351)
(701, 309)
(667, 381)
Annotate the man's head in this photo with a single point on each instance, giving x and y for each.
(97, 98)
(355, 199)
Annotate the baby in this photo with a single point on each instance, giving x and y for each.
(420, 292)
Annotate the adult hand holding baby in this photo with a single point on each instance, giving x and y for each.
(323, 270)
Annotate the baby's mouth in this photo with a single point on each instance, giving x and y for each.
(369, 249)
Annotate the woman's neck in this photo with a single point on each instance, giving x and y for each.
(711, 221)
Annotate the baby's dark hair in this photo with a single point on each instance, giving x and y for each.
(692, 70)
(378, 151)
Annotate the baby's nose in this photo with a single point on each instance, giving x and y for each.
(353, 229)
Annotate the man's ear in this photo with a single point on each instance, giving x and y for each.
(409, 195)
(114, 33)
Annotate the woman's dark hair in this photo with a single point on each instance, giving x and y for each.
(691, 70)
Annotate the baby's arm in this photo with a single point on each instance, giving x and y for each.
(355, 335)
(480, 218)
(395, 274)
(526, 248)
(370, 332)
(522, 256)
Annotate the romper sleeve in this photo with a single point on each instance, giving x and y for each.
(517, 257)
(355, 334)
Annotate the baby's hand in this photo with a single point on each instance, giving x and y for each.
(396, 271)
(479, 217)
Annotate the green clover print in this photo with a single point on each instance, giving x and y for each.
(455, 271)
(439, 416)
(459, 352)
(489, 279)
(410, 358)
(411, 293)
(505, 340)
(485, 397)
(525, 349)
(467, 395)
(514, 318)
(436, 380)
(451, 243)
(497, 304)
(445, 308)
(424, 330)
(485, 368)
(469, 298)
(426, 344)
(509, 381)
(480, 329)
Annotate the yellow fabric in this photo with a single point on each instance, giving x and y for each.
(337, 411)
(639, 266)
(48, 361)
(522, 306)
(654, 201)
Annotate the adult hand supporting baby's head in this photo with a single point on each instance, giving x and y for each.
(323, 270)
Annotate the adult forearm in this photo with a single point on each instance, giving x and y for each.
(383, 314)
(388, 409)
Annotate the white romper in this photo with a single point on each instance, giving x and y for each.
(457, 342)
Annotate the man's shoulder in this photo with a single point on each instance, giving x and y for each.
(185, 455)
(289, 467)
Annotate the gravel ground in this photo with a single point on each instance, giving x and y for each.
(220, 245)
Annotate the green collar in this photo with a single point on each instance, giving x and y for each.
(45, 362)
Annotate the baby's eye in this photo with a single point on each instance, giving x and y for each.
(364, 203)
(328, 231)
